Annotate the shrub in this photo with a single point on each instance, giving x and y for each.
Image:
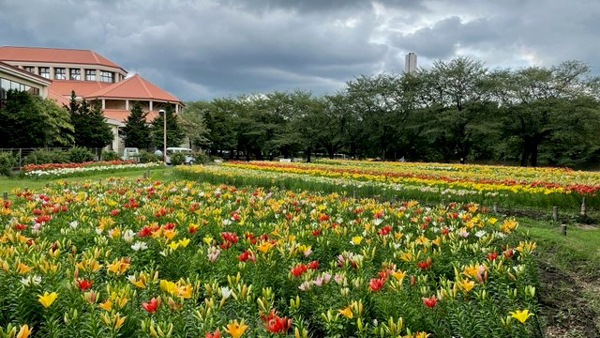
(79, 154)
(42, 156)
(201, 157)
(7, 163)
(146, 157)
(178, 158)
(110, 156)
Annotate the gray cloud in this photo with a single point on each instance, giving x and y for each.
(204, 49)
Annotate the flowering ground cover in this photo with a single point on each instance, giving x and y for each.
(49, 166)
(155, 259)
(510, 186)
(56, 170)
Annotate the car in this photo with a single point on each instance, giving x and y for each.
(130, 154)
(189, 159)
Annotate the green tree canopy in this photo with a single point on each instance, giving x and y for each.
(136, 132)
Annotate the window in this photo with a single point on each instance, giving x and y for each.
(90, 75)
(60, 73)
(75, 74)
(45, 72)
(29, 69)
(107, 76)
(6, 85)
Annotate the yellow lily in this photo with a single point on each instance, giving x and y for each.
(346, 312)
(235, 329)
(24, 331)
(47, 298)
(521, 315)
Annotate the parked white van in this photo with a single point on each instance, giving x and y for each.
(130, 154)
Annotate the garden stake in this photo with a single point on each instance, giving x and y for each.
(563, 229)
(555, 213)
(495, 207)
(583, 207)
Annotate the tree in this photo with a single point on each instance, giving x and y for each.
(136, 132)
(542, 105)
(89, 122)
(192, 122)
(174, 133)
(29, 121)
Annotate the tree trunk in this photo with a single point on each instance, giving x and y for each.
(534, 154)
(524, 154)
(308, 152)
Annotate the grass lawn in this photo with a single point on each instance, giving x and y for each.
(569, 275)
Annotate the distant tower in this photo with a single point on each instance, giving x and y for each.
(410, 63)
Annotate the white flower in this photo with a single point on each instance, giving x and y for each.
(139, 245)
(226, 292)
(74, 224)
(31, 280)
(378, 221)
(480, 233)
(226, 222)
(128, 235)
(98, 231)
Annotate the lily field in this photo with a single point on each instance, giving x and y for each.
(266, 249)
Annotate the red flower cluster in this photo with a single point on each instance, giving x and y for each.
(229, 238)
(276, 324)
(299, 269)
(424, 264)
(152, 305)
(429, 302)
(376, 283)
(84, 284)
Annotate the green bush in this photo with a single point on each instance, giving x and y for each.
(110, 156)
(146, 157)
(42, 156)
(7, 163)
(201, 157)
(79, 154)
(177, 158)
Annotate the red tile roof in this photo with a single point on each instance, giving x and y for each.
(55, 55)
(121, 114)
(57, 97)
(81, 88)
(134, 87)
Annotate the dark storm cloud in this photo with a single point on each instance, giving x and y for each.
(203, 49)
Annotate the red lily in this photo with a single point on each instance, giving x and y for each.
(492, 255)
(429, 302)
(276, 324)
(313, 264)
(376, 283)
(298, 269)
(216, 334)
(152, 305)
(84, 284)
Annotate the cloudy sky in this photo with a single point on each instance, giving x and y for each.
(201, 49)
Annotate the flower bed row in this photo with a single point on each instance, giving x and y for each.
(86, 170)
(140, 258)
(50, 166)
(548, 192)
(357, 185)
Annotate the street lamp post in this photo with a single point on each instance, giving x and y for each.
(162, 111)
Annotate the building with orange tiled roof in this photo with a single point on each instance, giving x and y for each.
(92, 77)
